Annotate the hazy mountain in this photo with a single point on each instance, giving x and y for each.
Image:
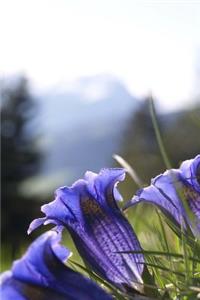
(83, 101)
(82, 125)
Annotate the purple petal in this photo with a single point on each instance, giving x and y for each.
(98, 244)
(41, 274)
(89, 211)
(35, 224)
(32, 266)
(19, 290)
(8, 291)
(166, 189)
(99, 185)
(191, 174)
(162, 192)
(190, 170)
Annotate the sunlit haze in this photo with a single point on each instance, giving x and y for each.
(149, 45)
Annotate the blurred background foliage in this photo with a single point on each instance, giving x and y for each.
(20, 160)
(139, 146)
(37, 156)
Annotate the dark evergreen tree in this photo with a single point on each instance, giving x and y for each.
(19, 156)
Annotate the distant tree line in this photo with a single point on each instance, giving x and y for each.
(180, 132)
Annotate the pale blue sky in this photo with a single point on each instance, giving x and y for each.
(150, 45)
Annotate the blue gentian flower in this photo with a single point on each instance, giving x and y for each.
(89, 211)
(42, 275)
(169, 190)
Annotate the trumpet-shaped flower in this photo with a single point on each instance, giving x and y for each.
(42, 275)
(89, 211)
(169, 190)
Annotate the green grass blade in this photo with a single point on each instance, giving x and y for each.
(185, 255)
(166, 246)
(162, 268)
(160, 253)
(118, 294)
(158, 134)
